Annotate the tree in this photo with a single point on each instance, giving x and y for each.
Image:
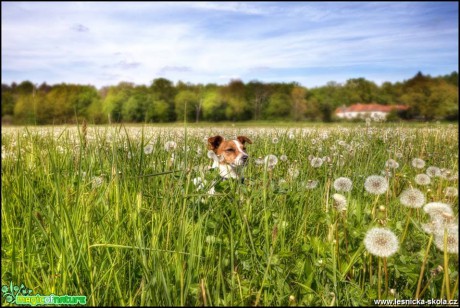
(213, 105)
(163, 89)
(187, 101)
(299, 103)
(279, 106)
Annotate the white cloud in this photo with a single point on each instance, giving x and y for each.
(101, 43)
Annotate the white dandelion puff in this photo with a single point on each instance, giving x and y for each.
(340, 202)
(381, 242)
(412, 197)
(391, 163)
(422, 179)
(311, 184)
(271, 160)
(170, 146)
(451, 242)
(376, 184)
(343, 184)
(148, 149)
(451, 191)
(316, 162)
(418, 163)
(283, 157)
(433, 171)
(438, 210)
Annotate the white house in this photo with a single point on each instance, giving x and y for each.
(373, 111)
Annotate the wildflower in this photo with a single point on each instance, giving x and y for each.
(399, 155)
(316, 162)
(340, 202)
(418, 163)
(433, 171)
(275, 140)
(412, 197)
(271, 160)
(451, 191)
(283, 157)
(311, 184)
(437, 210)
(391, 163)
(343, 184)
(452, 242)
(291, 135)
(293, 172)
(422, 179)
(170, 146)
(376, 184)
(381, 242)
(148, 149)
(96, 181)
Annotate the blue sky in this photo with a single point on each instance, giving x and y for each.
(311, 43)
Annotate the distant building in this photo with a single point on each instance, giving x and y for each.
(361, 111)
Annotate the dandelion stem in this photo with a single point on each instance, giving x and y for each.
(386, 275)
(407, 225)
(419, 284)
(379, 281)
(446, 266)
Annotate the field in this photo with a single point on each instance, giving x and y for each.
(122, 215)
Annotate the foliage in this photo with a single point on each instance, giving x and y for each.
(429, 98)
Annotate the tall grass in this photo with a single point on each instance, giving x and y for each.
(94, 213)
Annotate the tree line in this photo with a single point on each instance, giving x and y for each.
(429, 98)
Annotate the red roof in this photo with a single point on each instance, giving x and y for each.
(370, 108)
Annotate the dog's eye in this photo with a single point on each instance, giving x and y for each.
(230, 150)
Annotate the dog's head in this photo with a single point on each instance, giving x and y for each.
(230, 152)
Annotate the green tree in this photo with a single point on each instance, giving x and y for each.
(279, 106)
(299, 103)
(187, 100)
(164, 90)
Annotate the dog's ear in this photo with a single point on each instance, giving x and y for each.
(244, 139)
(214, 142)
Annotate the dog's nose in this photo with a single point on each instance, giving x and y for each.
(244, 157)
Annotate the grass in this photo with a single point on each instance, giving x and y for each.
(89, 211)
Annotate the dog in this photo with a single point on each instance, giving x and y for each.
(230, 156)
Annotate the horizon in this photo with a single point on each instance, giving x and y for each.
(203, 42)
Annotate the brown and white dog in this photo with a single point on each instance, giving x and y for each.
(230, 155)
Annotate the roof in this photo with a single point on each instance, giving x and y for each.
(370, 108)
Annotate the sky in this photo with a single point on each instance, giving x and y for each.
(312, 43)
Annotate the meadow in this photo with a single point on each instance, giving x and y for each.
(122, 215)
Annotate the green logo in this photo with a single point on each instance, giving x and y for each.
(21, 295)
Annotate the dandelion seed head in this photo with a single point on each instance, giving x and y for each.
(275, 140)
(412, 197)
(438, 210)
(392, 164)
(316, 162)
(283, 157)
(433, 171)
(271, 160)
(376, 184)
(311, 184)
(451, 242)
(293, 172)
(340, 202)
(170, 146)
(343, 184)
(422, 179)
(381, 242)
(148, 149)
(418, 163)
(451, 191)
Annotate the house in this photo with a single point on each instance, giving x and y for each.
(373, 111)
